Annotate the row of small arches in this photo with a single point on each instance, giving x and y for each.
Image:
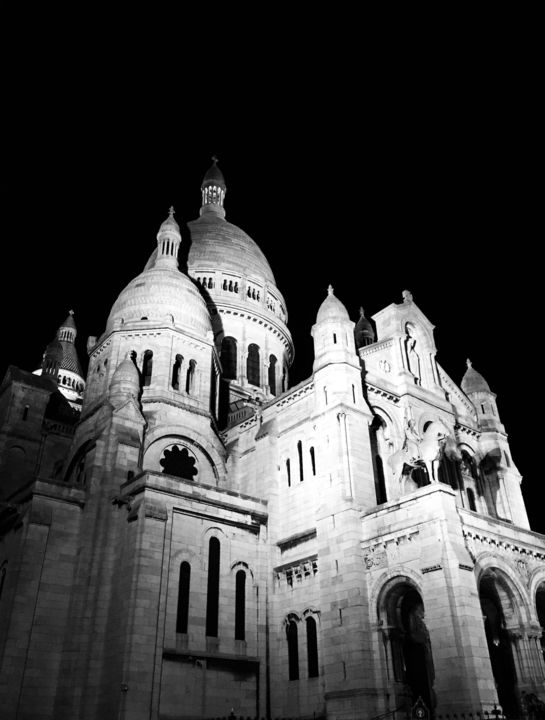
(212, 595)
(71, 383)
(300, 456)
(168, 247)
(228, 356)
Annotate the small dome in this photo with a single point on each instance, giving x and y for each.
(164, 294)
(332, 309)
(363, 332)
(473, 381)
(125, 380)
(170, 223)
(214, 176)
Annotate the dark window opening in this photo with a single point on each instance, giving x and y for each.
(293, 650)
(178, 462)
(300, 453)
(176, 372)
(312, 647)
(272, 374)
(471, 500)
(147, 367)
(313, 460)
(335, 338)
(240, 605)
(212, 593)
(229, 358)
(25, 412)
(183, 598)
(190, 377)
(2, 580)
(252, 365)
(288, 472)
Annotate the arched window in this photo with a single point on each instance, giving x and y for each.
(213, 588)
(293, 650)
(300, 453)
(229, 358)
(190, 377)
(272, 374)
(312, 647)
(176, 372)
(471, 499)
(240, 605)
(252, 364)
(313, 460)
(377, 432)
(147, 367)
(183, 598)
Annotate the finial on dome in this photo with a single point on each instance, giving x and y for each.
(407, 296)
(70, 312)
(469, 363)
(330, 289)
(171, 212)
(362, 314)
(214, 159)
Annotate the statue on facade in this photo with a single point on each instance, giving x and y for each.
(413, 358)
(420, 451)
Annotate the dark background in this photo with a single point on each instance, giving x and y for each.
(420, 176)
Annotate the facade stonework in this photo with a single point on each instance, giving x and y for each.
(183, 535)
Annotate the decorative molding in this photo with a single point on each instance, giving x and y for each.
(431, 568)
(392, 397)
(522, 559)
(386, 552)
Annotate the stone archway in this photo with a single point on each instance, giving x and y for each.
(410, 647)
(540, 609)
(498, 608)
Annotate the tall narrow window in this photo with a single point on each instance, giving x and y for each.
(25, 412)
(212, 593)
(288, 472)
(313, 460)
(252, 364)
(272, 374)
(240, 605)
(176, 372)
(190, 377)
(312, 647)
(471, 500)
(213, 390)
(229, 358)
(293, 650)
(183, 598)
(300, 453)
(147, 367)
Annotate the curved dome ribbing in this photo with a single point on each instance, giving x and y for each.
(216, 243)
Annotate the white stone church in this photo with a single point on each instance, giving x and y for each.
(184, 535)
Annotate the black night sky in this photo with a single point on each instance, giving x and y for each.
(424, 182)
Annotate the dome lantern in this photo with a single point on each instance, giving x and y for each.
(213, 189)
(363, 332)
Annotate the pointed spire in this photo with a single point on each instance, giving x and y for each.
(213, 189)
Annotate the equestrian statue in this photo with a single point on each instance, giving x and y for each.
(423, 451)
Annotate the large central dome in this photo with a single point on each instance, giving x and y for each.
(216, 243)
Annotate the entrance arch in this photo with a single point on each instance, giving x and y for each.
(411, 661)
(540, 608)
(499, 608)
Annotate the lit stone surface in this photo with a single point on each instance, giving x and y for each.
(203, 538)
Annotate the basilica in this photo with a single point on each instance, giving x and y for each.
(185, 535)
